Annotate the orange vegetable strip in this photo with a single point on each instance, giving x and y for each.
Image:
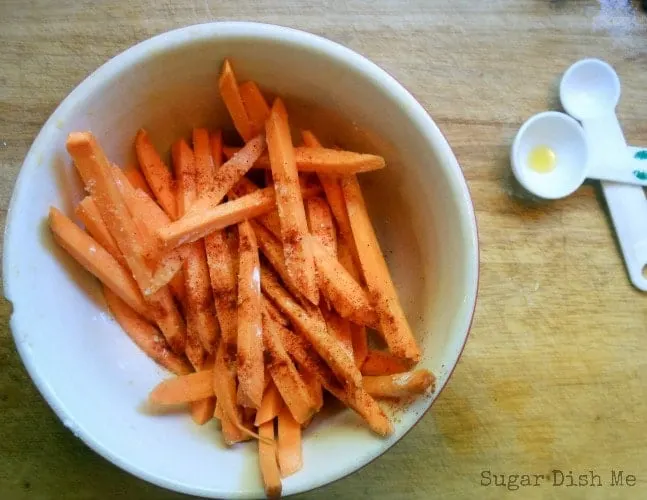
(275, 313)
(313, 326)
(255, 106)
(144, 209)
(200, 311)
(204, 163)
(287, 379)
(224, 379)
(198, 224)
(157, 174)
(289, 444)
(221, 256)
(96, 260)
(339, 328)
(321, 223)
(271, 219)
(270, 406)
(383, 363)
(294, 229)
(185, 171)
(230, 173)
(400, 385)
(338, 286)
(233, 101)
(202, 411)
(393, 323)
(356, 398)
(150, 217)
(90, 158)
(223, 279)
(360, 343)
(215, 142)
(268, 461)
(250, 332)
(273, 251)
(88, 213)
(315, 389)
(335, 197)
(137, 180)
(358, 332)
(323, 161)
(184, 389)
(145, 335)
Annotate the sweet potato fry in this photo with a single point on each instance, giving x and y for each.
(90, 159)
(383, 363)
(324, 161)
(145, 335)
(223, 282)
(335, 197)
(312, 325)
(96, 260)
(321, 223)
(224, 379)
(356, 398)
(233, 101)
(149, 217)
(267, 460)
(275, 313)
(255, 106)
(198, 224)
(273, 251)
(184, 389)
(220, 254)
(400, 385)
(157, 174)
(360, 343)
(88, 213)
(358, 332)
(289, 383)
(271, 219)
(270, 406)
(339, 328)
(338, 286)
(230, 173)
(250, 339)
(393, 323)
(205, 170)
(289, 443)
(184, 166)
(298, 254)
(215, 142)
(202, 411)
(200, 313)
(314, 386)
(137, 180)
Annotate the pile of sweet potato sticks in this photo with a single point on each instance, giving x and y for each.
(257, 298)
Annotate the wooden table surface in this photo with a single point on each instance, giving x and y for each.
(554, 375)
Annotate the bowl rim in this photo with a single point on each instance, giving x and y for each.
(221, 30)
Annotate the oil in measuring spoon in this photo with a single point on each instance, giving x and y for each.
(542, 159)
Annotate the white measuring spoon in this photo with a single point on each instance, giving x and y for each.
(590, 91)
(565, 140)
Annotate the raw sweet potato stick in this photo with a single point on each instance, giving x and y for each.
(294, 229)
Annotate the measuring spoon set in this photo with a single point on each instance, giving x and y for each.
(553, 153)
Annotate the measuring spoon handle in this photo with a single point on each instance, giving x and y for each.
(627, 204)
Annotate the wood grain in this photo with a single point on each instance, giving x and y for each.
(554, 374)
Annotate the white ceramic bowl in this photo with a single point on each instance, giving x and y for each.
(88, 370)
